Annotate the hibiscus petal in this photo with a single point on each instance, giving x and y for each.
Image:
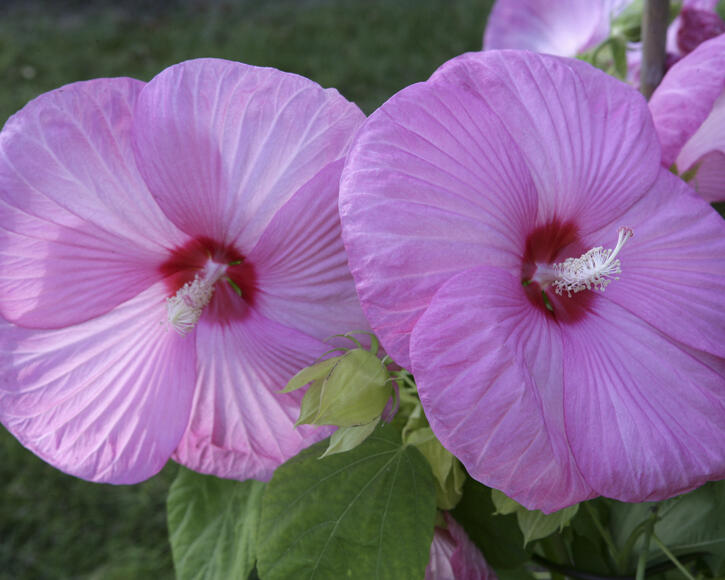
(587, 138)
(453, 555)
(302, 275)
(79, 231)
(105, 400)
(704, 152)
(644, 414)
(241, 427)
(564, 28)
(421, 200)
(223, 145)
(686, 96)
(673, 272)
(488, 365)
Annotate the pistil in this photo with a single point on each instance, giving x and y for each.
(185, 307)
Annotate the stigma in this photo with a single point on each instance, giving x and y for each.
(593, 270)
(184, 308)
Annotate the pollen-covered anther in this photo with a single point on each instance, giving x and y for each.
(185, 307)
(593, 270)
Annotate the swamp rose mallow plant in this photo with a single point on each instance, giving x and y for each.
(484, 213)
(170, 257)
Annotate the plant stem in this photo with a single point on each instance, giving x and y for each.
(654, 37)
(604, 532)
(642, 560)
(672, 557)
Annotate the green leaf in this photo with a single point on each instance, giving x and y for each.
(536, 524)
(504, 504)
(689, 523)
(347, 438)
(308, 374)
(498, 537)
(368, 513)
(212, 525)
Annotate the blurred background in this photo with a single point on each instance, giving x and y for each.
(56, 526)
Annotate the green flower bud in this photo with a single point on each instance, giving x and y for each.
(347, 390)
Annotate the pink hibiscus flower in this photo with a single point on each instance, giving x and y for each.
(475, 210)
(170, 257)
(689, 114)
(454, 557)
(563, 28)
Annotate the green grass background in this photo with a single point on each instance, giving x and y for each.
(53, 525)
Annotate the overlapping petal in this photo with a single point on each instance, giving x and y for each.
(432, 186)
(301, 266)
(453, 556)
(224, 145)
(105, 400)
(644, 414)
(563, 28)
(241, 427)
(488, 365)
(685, 99)
(587, 138)
(79, 231)
(673, 271)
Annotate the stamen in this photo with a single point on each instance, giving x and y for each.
(594, 269)
(184, 308)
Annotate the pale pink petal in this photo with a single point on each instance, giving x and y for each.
(488, 365)
(704, 152)
(301, 267)
(587, 138)
(645, 415)
(563, 28)
(421, 200)
(79, 231)
(673, 271)
(105, 400)
(241, 427)
(223, 145)
(453, 556)
(686, 97)
(710, 178)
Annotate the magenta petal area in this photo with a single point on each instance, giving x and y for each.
(422, 199)
(241, 427)
(645, 415)
(301, 267)
(587, 138)
(563, 28)
(79, 231)
(223, 145)
(673, 269)
(453, 556)
(687, 95)
(488, 365)
(106, 400)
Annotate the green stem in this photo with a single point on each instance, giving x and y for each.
(672, 557)
(648, 531)
(604, 532)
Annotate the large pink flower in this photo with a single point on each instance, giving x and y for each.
(563, 27)
(461, 201)
(453, 556)
(689, 114)
(134, 213)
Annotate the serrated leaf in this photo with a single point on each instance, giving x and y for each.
(212, 525)
(368, 513)
(497, 536)
(536, 524)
